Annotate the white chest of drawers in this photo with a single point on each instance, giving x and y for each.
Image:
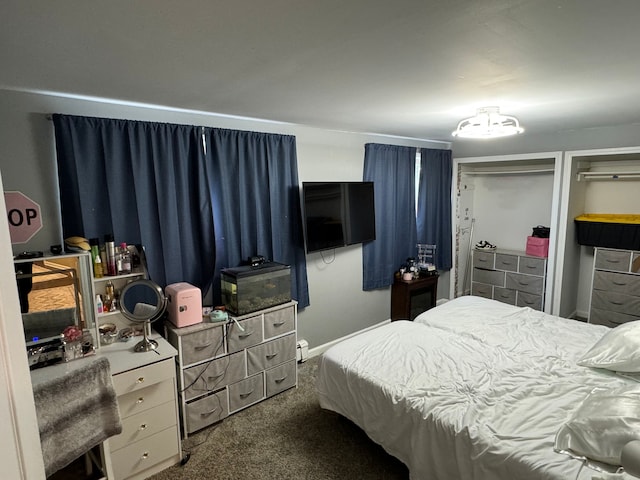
(615, 293)
(509, 277)
(145, 384)
(223, 369)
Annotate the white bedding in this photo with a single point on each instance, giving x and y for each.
(473, 389)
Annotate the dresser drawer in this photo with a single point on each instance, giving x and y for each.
(206, 411)
(505, 295)
(492, 277)
(144, 424)
(252, 334)
(506, 262)
(204, 378)
(616, 302)
(139, 456)
(532, 266)
(142, 377)
(279, 322)
(626, 283)
(481, 290)
(484, 259)
(281, 378)
(246, 392)
(530, 300)
(610, 319)
(148, 397)
(617, 260)
(202, 344)
(525, 283)
(270, 354)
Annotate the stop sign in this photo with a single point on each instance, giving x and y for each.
(24, 216)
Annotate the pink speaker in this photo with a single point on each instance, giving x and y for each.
(184, 304)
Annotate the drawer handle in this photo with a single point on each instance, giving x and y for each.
(215, 377)
(140, 400)
(242, 336)
(531, 267)
(210, 412)
(140, 380)
(612, 261)
(278, 324)
(280, 380)
(616, 303)
(524, 284)
(245, 395)
(143, 426)
(145, 455)
(482, 260)
(202, 347)
(271, 355)
(620, 284)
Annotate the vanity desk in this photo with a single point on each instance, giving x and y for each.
(145, 387)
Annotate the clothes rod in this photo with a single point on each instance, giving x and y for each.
(607, 175)
(508, 172)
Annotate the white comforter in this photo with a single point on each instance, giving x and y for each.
(473, 390)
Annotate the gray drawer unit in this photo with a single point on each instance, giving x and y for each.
(615, 292)
(509, 277)
(616, 260)
(251, 335)
(206, 411)
(525, 283)
(231, 368)
(270, 354)
(505, 295)
(506, 262)
(214, 375)
(246, 392)
(281, 378)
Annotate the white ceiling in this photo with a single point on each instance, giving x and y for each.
(411, 68)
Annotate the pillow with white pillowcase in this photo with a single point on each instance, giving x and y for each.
(618, 350)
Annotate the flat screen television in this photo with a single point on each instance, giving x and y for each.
(337, 214)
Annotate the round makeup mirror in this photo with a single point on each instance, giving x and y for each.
(143, 301)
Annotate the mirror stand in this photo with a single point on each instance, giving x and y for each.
(146, 344)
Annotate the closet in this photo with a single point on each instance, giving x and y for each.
(593, 181)
(500, 199)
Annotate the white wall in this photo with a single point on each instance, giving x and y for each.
(338, 305)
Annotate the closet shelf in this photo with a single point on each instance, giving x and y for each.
(508, 172)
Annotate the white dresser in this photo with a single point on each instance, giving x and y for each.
(615, 293)
(223, 369)
(510, 277)
(145, 384)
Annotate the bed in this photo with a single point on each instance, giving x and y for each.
(475, 389)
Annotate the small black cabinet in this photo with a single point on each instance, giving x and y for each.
(409, 298)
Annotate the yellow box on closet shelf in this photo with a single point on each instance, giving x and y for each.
(609, 230)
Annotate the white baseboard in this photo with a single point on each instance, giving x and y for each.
(319, 350)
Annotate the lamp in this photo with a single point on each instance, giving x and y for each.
(488, 123)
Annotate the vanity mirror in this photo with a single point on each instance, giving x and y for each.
(54, 292)
(143, 301)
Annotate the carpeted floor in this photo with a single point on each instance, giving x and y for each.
(286, 437)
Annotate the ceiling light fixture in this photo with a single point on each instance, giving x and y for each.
(488, 123)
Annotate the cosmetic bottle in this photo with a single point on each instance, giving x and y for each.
(124, 260)
(110, 247)
(95, 257)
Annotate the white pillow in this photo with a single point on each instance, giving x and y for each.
(603, 424)
(617, 350)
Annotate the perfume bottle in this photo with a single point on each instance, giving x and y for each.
(124, 260)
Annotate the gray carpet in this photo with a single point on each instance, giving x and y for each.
(285, 437)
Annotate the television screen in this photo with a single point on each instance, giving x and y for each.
(337, 214)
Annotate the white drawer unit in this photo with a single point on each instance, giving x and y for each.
(615, 293)
(147, 401)
(226, 367)
(509, 277)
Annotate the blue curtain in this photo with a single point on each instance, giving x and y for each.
(145, 183)
(256, 202)
(434, 203)
(392, 169)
